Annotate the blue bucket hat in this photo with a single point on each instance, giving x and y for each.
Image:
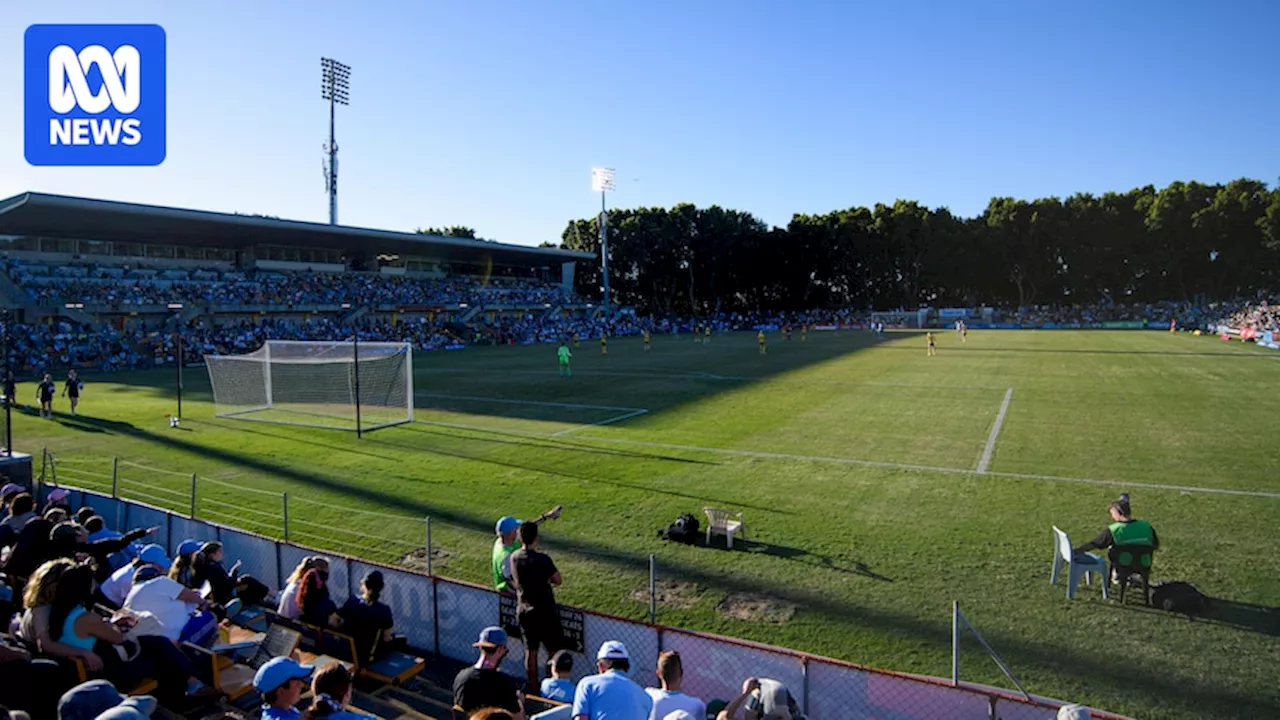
(506, 524)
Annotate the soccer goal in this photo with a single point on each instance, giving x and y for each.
(342, 385)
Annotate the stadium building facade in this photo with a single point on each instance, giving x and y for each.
(86, 240)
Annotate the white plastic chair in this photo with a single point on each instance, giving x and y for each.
(722, 522)
(1078, 564)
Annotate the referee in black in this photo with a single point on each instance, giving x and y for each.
(534, 574)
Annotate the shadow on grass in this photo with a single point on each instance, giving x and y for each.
(1261, 619)
(558, 447)
(1118, 679)
(824, 562)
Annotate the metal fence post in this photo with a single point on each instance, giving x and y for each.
(955, 643)
(430, 570)
(284, 499)
(115, 478)
(804, 672)
(653, 591)
(193, 496)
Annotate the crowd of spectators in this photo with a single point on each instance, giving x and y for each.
(118, 287)
(1261, 316)
(79, 601)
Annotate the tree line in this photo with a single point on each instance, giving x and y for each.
(1184, 241)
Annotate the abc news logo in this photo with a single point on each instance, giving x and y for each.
(95, 95)
(69, 89)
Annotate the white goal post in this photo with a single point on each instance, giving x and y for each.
(314, 383)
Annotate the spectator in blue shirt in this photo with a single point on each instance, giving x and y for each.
(611, 695)
(559, 686)
(281, 682)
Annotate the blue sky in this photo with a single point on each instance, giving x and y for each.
(491, 114)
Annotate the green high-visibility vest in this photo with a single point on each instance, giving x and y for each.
(1134, 532)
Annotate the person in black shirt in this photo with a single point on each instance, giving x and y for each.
(533, 574)
(45, 391)
(482, 685)
(368, 620)
(10, 388)
(72, 389)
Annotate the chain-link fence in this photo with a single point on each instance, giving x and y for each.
(276, 533)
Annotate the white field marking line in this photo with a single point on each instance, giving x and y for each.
(701, 375)
(507, 401)
(606, 421)
(934, 468)
(990, 447)
(872, 463)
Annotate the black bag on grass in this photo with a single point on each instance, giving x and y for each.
(683, 530)
(1179, 597)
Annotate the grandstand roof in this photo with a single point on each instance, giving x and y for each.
(89, 219)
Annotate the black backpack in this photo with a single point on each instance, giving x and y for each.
(683, 530)
(1179, 597)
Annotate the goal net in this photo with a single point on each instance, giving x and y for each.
(315, 384)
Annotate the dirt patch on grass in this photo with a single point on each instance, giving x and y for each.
(677, 595)
(756, 608)
(417, 559)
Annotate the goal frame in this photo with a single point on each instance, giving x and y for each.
(266, 362)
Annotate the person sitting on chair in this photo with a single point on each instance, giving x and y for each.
(1123, 531)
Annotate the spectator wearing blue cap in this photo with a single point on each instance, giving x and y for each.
(506, 543)
(89, 700)
(117, 587)
(611, 695)
(482, 685)
(281, 682)
(181, 571)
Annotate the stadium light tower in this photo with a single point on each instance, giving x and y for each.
(335, 87)
(603, 181)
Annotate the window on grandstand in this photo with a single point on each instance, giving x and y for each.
(159, 251)
(57, 245)
(19, 243)
(188, 253)
(127, 249)
(219, 254)
(94, 247)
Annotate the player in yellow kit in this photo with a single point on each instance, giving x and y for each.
(764, 349)
(576, 339)
(604, 344)
(707, 335)
(804, 333)
(697, 333)
(645, 335)
(933, 350)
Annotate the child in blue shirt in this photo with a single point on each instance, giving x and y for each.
(559, 687)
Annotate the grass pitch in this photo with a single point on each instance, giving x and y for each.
(854, 463)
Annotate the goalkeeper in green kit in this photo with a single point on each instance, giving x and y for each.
(563, 352)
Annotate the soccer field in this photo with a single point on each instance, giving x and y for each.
(856, 463)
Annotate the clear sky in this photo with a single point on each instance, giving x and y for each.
(491, 114)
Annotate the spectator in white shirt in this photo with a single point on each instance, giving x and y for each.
(116, 588)
(170, 603)
(669, 698)
(288, 606)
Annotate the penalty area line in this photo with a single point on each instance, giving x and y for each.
(985, 461)
(933, 468)
(866, 463)
(542, 403)
(606, 421)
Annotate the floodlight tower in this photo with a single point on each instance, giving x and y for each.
(335, 87)
(602, 181)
